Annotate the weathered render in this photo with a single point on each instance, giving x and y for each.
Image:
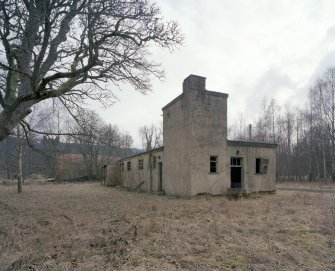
(254, 178)
(142, 171)
(195, 127)
(198, 158)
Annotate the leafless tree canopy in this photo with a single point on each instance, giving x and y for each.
(73, 49)
(152, 136)
(305, 136)
(98, 143)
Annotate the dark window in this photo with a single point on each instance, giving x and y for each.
(235, 161)
(236, 172)
(213, 164)
(140, 164)
(122, 166)
(258, 163)
(262, 165)
(154, 162)
(129, 165)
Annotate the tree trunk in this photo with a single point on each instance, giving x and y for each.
(10, 119)
(19, 174)
(8, 172)
(19, 161)
(324, 159)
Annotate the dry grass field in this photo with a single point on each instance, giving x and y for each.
(308, 185)
(91, 227)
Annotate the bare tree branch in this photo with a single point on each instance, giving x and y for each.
(52, 48)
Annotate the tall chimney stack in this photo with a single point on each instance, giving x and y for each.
(194, 83)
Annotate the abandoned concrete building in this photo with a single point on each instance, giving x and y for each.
(197, 157)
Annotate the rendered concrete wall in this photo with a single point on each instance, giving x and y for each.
(112, 177)
(209, 133)
(149, 175)
(195, 127)
(251, 181)
(177, 154)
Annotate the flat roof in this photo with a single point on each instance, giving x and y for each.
(143, 153)
(241, 143)
(216, 93)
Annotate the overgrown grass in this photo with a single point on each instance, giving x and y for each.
(305, 184)
(92, 227)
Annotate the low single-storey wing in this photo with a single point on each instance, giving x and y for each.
(197, 157)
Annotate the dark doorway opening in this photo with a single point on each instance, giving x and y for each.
(160, 177)
(236, 177)
(236, 173)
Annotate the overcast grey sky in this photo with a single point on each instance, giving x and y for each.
(248, 49)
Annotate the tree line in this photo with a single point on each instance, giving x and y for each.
(305, 136)
(70, 51)
(72, 146)
(91, 139)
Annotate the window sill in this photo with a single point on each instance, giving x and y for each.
(213, 173)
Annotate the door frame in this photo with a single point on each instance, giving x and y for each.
(238, 163)
(160, 176)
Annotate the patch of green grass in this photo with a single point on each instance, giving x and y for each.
(234, 261)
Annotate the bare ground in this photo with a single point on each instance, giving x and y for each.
(92, 227)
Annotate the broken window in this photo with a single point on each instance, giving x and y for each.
(262, 165)
(213, 164)
(140, 163)
(129, 165)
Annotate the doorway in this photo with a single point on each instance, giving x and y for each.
(160, 177)
(236, 173)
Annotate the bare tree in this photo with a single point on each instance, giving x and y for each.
(99, 143)
(305, 137)
(21, 139)
(111, 139)
(151, 137)
(323, 103)
(7, 159)
(238, 130)
(19, 154)
(127, 142)
(75, 49)
(90, 127)
(267, 122)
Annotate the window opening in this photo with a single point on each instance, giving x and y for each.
(140, 164)
(129, 165)
(213, 164)
(154, 162)
(262, 165)
(235, 161)
(258, 163)
(236, 172)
